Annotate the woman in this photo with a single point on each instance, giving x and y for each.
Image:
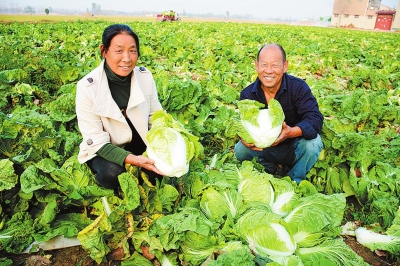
(114, 105)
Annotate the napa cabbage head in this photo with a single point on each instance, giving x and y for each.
(271, 240)
(286, 199)
(260, 126)
(218, 204)
(170, 145)
(266, 236)
(196, 247)
(261, 228)
(301, 221)
(169, 151)
(256, 189)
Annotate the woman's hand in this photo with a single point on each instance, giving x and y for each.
(142, 161)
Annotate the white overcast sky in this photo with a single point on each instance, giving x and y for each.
(310, 9)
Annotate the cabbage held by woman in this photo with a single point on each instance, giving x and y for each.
(260, 126)
(170, 145)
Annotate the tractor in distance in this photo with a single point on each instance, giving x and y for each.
(169, 15)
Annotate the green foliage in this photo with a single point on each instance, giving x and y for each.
(8, 178)
(62, 107)
(20, 229)
(199, 69)
(236, 257)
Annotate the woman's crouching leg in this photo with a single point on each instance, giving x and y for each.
(106, 172)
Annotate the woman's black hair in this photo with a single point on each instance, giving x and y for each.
(115, 29)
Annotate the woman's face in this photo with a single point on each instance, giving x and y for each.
(122, 54)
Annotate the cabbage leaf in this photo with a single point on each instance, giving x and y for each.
(331, 252)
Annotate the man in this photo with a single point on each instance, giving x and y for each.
(298, 146)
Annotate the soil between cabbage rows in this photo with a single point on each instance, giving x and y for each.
(78, 256)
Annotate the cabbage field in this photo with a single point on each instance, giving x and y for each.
(222, 212)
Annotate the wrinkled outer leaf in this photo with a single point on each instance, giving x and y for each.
(49, 213)
(171, 229)
(32, 180)
(92, 240)
(136, 259)
(8, 178)
(20, 228)
(67, 225)
(237, 257)
(168, 195)
(131, 192)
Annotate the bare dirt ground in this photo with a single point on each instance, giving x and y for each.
(61, 257)
(78, 256)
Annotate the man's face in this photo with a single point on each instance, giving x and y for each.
(271, 67)
(122, 54)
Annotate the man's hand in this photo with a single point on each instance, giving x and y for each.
(287, 133)
(142, 161)
(250, 146)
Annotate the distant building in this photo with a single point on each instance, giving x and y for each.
(396, 23)
(363, 14)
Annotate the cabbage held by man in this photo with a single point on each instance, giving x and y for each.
(260, 126)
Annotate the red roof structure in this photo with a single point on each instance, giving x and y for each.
(385, 12)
